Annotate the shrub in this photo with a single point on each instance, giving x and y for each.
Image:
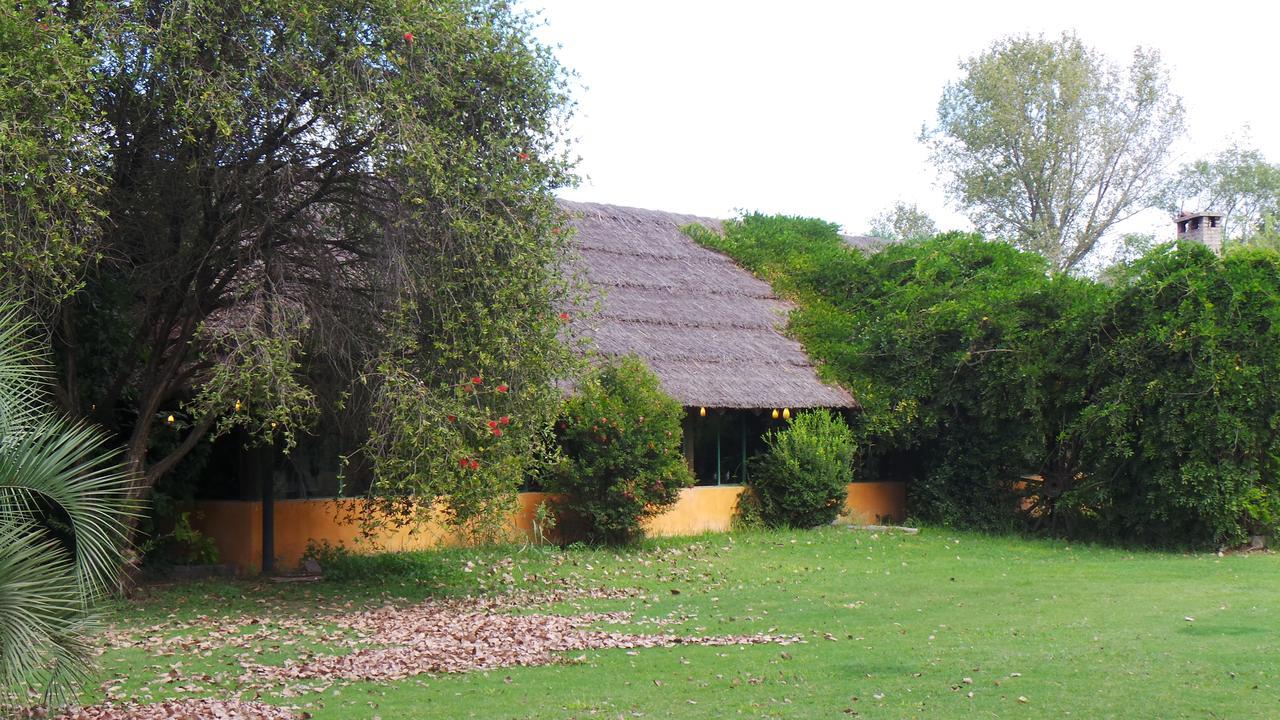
(621, 436)
(802, 478)
(965, 354)
(428, 569)
(1180, 433)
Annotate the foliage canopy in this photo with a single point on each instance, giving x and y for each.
(303, 210)
(1140, 411)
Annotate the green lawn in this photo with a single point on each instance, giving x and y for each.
(943, 624)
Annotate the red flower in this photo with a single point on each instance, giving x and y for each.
(564, 317)
(475, 464)
(408, 37)
(476, 380)
(493, 424)
(502, 388)
(453, 418)
(464, 462)
(497, 432)
(504, 420)
(523, 156)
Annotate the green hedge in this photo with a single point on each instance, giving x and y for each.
(977, 367)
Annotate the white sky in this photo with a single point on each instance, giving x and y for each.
(813, 108)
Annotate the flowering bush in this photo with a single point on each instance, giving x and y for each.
(620, 435)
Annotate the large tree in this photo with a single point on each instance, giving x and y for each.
(310, 203)
(1048, 143)
(1240, 184)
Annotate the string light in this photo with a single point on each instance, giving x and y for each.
(786, 413)
(775, 414)
(702, 412)
(169, 419)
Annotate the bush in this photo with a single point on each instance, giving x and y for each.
(1180, 434)
(802, 479)
(621, 437)
(1144, 409)
(967, 356)
(339, 564)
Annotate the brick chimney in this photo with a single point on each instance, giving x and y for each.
(1202, 227)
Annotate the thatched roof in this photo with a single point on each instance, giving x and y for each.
(869, 244)
(708, 328)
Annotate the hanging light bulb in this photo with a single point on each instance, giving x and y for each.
(273, 424)
(702, 412)
(237, 406)
(786, 413)
(774, 415)
(169, 419)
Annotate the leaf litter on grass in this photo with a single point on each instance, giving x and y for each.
(383, 644)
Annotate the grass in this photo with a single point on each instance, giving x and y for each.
(942, 624)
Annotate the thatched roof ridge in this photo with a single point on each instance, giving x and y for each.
(869, 244)
(708, 328)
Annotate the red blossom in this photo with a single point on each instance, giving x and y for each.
(476, 380)
(523, 156)
(464, 462)
(475, 464)
(564, 317)
(453, 418)
(497, 432)
(408, 37)
(504, 420)
(502, 388)
(493, 424)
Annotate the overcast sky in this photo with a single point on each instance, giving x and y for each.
(814, 108)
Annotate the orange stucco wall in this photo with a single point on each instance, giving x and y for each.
(869, 503)
(236, 526)
(699, 509)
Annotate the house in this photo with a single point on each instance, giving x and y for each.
(709, 329)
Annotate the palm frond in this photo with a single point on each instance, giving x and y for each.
(41, 615)
(63, 512)
(68, 467)
(24, 372)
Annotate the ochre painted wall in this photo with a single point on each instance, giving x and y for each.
(236, 526)
(871, 502)
(700, 509)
